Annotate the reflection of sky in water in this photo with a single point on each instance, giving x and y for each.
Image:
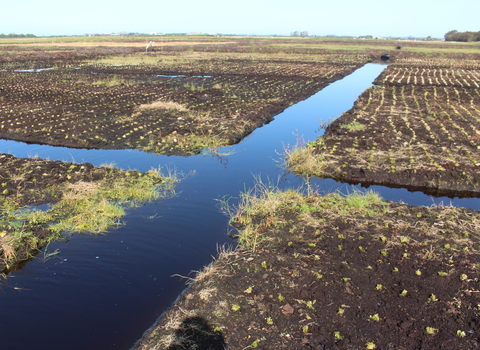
(105, 291)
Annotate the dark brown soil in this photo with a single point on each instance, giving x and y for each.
(384, 278)
(379, 277)
(34, 181)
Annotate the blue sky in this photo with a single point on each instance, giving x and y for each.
(418, 18)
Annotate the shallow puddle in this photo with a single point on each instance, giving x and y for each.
(32, 70)
(103, 292)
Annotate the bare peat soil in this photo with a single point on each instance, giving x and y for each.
(183, 103)
(388, 276)
(420, 128)
(34, 181)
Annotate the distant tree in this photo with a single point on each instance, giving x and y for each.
(295, 33)
(304, 34)
(455, 35)
(449, 35)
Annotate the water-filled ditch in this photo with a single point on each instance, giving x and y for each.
(102, 292)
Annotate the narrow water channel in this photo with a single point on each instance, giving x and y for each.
(103, 292)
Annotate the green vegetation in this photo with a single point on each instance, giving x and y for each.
(354, 126)
(114, 80)
(93, 208)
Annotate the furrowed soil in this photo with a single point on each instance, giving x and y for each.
(34, 181)
(419, 128)
(162, 102)
(325, 272)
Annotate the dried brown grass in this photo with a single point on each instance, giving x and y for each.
(79, 189)
(163, 105)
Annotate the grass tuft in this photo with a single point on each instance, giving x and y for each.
(354, 126)
(262, 207)
(163, 105)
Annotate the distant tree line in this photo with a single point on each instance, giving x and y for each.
(455, 35)
(11, 35)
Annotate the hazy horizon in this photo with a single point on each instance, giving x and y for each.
(412, 18)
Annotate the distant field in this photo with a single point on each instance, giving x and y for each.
(105, 38)
(308, 45)
(406, 46)
(111, 43)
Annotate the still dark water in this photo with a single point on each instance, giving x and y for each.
(103, 292)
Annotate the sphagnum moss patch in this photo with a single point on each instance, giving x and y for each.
(82, 198)
(291, 287)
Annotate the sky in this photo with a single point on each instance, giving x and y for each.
(417, 18)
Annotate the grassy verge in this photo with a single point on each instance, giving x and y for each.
(336, 272)
(90, 200)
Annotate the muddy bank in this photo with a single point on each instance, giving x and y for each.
(334, 273)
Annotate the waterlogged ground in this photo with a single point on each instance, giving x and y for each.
(326, 272)
(420, 128)
(162, 102)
